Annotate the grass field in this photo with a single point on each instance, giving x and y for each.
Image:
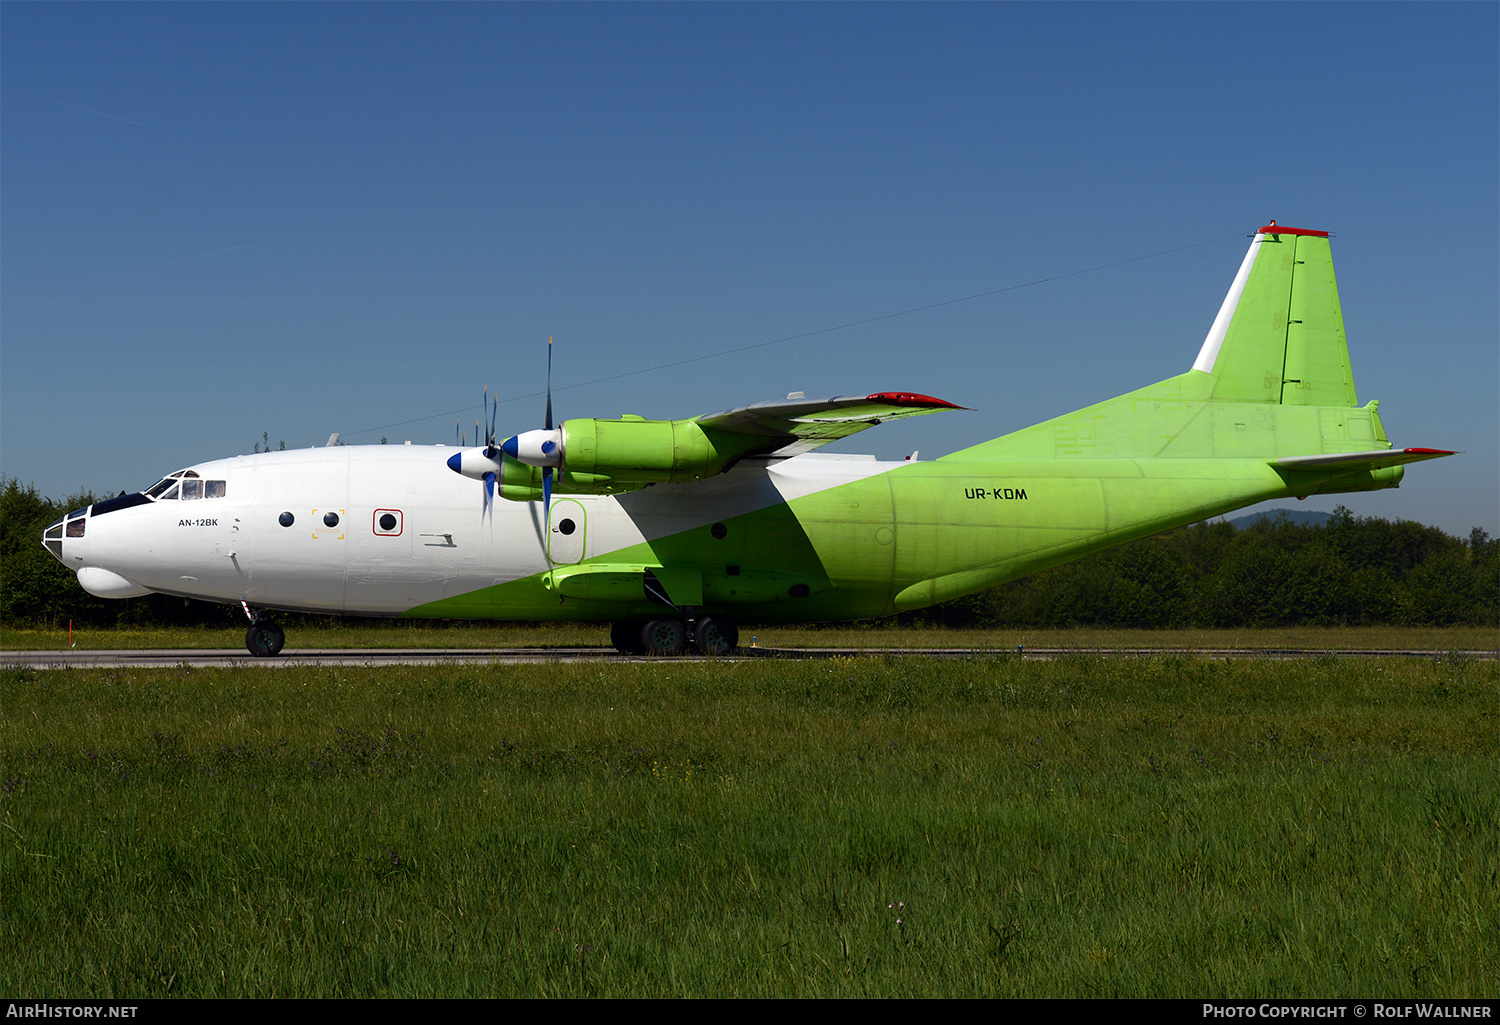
(1086, 826)
(327, 633)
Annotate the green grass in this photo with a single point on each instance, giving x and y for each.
(1376, 638)
(320, 633)
(847, 827)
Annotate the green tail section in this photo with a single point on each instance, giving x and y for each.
(1272, 379)
(1268, 411)
(1280, 335)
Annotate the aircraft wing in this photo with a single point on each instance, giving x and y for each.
(795, 425)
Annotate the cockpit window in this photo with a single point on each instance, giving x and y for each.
(186, 485)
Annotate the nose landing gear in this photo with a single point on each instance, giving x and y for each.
(264, 639)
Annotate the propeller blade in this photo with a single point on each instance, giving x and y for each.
(547, 499)
(489, 496)
(544, 447)
(548, 424)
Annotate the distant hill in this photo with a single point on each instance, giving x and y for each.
(1302, 517)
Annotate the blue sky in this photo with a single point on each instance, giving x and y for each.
(218, 220)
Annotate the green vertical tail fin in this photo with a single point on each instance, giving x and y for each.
(1271, 380)
(1279, 337)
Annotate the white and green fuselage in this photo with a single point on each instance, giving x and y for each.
(723, 526)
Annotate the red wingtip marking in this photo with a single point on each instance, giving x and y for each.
(1430, 451)
(1275, 229)
(906, 398)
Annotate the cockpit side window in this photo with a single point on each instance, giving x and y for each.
(191, 490)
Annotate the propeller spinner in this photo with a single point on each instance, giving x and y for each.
(484, 463)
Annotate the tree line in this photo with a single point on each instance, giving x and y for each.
(1351, 571)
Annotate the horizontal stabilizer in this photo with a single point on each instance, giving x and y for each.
(1362, 460)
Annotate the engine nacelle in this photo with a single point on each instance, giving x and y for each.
(607, 457)
(636, 450)
(518, 482)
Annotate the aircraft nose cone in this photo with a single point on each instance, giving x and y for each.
(456, 462)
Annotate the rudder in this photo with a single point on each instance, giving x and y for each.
(1279, 336)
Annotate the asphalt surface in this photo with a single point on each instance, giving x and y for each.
(205, 658)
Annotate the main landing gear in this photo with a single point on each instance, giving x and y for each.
(668, 635)
(264, 638)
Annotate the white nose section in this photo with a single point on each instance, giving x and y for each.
(103, 584)
(536, 448)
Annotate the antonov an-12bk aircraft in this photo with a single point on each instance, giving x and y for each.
(675, 529)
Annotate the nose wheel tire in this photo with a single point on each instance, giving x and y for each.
(264, 638)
